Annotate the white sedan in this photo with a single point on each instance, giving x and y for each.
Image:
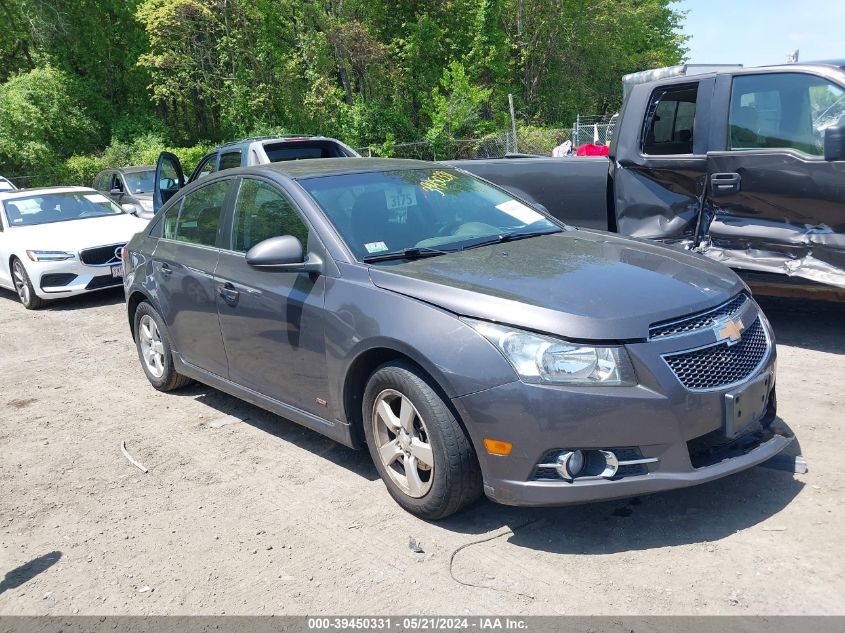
(61, 241)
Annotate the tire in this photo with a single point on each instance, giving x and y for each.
(432, 491)
(23, 286)
(155, 351)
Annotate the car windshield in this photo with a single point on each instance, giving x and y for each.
(58, 207)
(442, 209)
(140, 181)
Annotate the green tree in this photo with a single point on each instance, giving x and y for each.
(42, 120)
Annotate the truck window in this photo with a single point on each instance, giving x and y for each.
(670, 121)
(230, 160)
(783, 111)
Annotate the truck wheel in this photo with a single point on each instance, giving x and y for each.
(23, 286)
(154, 350)
(420, 450)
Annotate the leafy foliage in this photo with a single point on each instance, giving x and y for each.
(371, 72)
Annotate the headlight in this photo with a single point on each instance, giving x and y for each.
(49, 256)
(542, 359)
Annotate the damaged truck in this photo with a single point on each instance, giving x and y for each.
(743, 165)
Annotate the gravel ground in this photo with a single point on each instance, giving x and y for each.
(242, 512)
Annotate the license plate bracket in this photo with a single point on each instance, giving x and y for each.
(747, 405)
(117, 271)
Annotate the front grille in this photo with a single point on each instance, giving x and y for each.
(104, 281)
(101, 255)
(700, 320)
(714, 447)
(720, 365)
(54, 280)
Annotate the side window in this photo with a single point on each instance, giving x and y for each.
(783, 111)
(230, 160)
(99, 182)
(670, 121)
(168, 230)
(262, 212)
(199, 218)
(116, 183)
(206, 167)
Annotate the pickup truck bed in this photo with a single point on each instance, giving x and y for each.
(572, 189)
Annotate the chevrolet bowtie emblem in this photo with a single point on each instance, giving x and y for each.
(731, 331)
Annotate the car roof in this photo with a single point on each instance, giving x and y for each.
(25, 193)
(316, 167)
(274, 139)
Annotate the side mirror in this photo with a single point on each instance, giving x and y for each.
(283, 253)
(115, 192)
(834, 143)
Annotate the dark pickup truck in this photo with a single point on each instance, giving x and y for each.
(744, 165)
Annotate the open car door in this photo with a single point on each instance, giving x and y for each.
(169, 179)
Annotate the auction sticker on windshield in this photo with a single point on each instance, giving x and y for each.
(400, 198)
(517, 210)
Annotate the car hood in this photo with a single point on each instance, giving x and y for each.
(74, 235)
(576, 284)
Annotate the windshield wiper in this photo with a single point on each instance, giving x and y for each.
(510, 237)
(415, 252)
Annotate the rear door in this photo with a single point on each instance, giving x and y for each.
(773, 203)
(659, 182)
(272, 321)
(184, 263)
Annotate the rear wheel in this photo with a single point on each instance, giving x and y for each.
(23, 286)
(155, 351)
(420, 450)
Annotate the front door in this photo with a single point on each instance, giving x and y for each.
(774, 204)
(272, 321)
(184, 262)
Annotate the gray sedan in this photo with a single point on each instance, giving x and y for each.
(472, 343)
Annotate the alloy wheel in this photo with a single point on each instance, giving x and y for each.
(21, 283)
(152, 348)
(403, 443)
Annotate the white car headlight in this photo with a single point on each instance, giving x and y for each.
(540, 359)
(49, 256)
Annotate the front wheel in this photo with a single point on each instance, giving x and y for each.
(154, 350)
(420, 450)
(23, 286)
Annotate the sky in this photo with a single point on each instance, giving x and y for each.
(760, 32)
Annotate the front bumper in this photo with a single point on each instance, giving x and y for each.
(659, 418)
(52, 280)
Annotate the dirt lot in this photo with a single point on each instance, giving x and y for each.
(261, 516)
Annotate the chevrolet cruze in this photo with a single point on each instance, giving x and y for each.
(472, 343)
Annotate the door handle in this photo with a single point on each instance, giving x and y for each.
(166, 270)
(228, 293)
(725, 184)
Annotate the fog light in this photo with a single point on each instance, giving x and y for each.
(570, 464)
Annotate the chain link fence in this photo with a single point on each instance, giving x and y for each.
(597, 130)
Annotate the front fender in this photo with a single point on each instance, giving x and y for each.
(362, 318)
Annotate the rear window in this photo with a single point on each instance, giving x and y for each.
(670, 121)
(301, 150)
